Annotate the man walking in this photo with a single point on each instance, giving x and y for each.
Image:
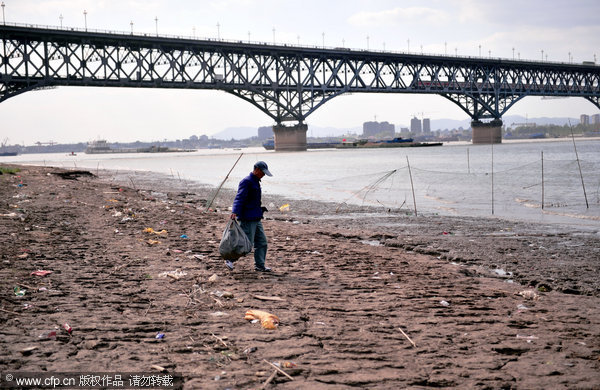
(248, 210)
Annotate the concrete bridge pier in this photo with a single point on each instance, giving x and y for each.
(487, 132)
(290, 138)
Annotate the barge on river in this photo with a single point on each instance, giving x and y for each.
(102, 147)
(394, 143)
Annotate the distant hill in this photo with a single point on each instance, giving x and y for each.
(316, 131)
(510, 119)
(236, 133)
(443, 124)
(436, 124)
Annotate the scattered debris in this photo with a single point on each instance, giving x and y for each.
(267, 320)
(444, 303)
(41, 273)
(177, 274)
(223, 294)
(67, 328)
(529, 294)
(268, 298)
(49, 335)
(28, 350)
(278, 369)
(528, 338)
(213, 278)
(371, 242)
(152, 231)
(19, 292)
(501, 272)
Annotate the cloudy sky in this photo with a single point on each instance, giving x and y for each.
(74, 114)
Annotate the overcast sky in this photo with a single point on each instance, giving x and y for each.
(76, 114)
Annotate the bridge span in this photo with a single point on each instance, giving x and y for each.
(287, 83)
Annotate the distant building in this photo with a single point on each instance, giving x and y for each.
(584, 119)
(370, 128)
(378, 129)
(426, 126)
(596, 119)
(265, 132)
(404, 130)
(415, 125)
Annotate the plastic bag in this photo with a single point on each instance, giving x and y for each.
(234, 243)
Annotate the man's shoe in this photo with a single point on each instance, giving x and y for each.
(229, 265)
(262, 269)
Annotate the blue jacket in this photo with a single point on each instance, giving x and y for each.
(247, 203)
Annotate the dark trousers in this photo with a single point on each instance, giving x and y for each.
(256, 234)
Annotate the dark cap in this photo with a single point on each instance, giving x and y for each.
(263, 167)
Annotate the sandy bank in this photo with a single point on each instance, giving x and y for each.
(346, 287)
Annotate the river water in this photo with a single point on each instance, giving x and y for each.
(501, 181)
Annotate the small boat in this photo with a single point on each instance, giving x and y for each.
(269, 144)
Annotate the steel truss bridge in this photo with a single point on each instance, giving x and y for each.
(287, 83)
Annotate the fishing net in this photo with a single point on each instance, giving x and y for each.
(558, 187)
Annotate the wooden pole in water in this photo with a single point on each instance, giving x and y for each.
(542, 179)
(579, 165)
(412, 186)
(223, 182)
(492, 177)
(468, 162)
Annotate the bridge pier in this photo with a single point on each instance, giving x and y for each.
(487, 132)
(290, 138)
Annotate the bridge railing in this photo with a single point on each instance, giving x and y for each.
(234, 41)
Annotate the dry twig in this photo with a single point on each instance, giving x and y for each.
(220, 339)
(149, 306)
(278, 369)
(269, 379)
(408, 338)
(8, 311)
(267, 298)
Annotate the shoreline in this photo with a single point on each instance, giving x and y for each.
(361, 304)
(509, 199)
(491, 243)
